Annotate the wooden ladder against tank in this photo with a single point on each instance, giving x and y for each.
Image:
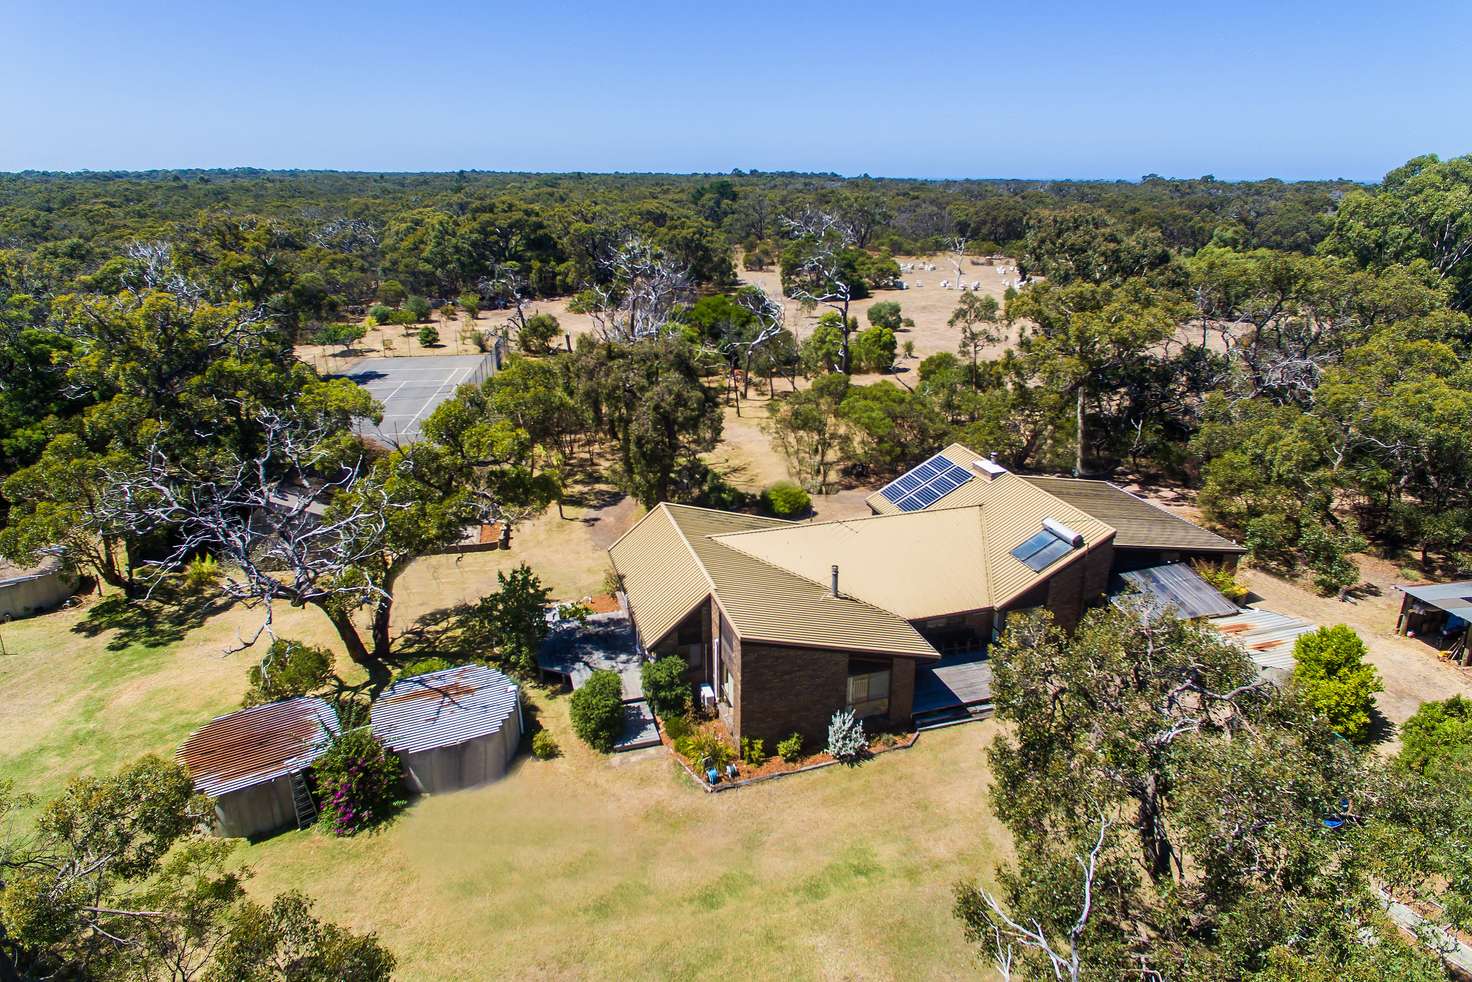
(301, 799)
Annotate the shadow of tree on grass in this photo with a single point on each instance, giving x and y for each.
(153, 622)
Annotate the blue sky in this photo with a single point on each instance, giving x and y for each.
(979, 89)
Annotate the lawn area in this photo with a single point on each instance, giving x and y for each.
(584, 866)
(598, 867)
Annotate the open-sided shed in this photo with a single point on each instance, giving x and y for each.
(249, 761)
(1440, 613)
(452, 729)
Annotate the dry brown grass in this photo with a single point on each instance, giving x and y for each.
(592, 867)
(581, 867)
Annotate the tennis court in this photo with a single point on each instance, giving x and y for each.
(410, 388)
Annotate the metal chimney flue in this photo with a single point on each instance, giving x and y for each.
(835, 581)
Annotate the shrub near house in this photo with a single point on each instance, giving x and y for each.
(598, 710)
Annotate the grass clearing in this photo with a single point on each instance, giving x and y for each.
(583, 866)
(588, 866)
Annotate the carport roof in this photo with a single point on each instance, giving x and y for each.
(1454, 598)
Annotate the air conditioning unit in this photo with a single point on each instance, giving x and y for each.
(707, 696)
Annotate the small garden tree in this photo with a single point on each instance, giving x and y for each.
(392, 292)
(597, 710)
(419, 307)
(666, 687)
(1331, 678)
(341, 335)
(470, 303)
(1438, 733)
(358, 780)
(288, 669)
(874, 350)
(509, 625)
(429, 336)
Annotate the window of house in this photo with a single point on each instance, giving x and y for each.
(725, 682)
(868, 688)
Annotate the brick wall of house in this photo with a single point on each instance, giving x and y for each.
(782, 690)
(785, 690)
(902, 690)
(1098, 564)
(1066, 594)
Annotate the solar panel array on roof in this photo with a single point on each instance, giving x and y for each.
(1042, 550)
(923, 486)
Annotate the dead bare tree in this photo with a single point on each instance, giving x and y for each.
(508, 284)
(957, 250)
(641, 287)
(276, 524)
(822, 277)
(1008, 933)
(769, 320)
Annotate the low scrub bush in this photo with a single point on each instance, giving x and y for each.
(358, 781)
(536, 336)
(544, 745)
(423, 667)
(598, 710)
(665, 686)
(288, 669)
(785, 499)
(885, 313)
(790, 748)
(846, 740)
(1222, 581)
(753, 751)
(429, 336)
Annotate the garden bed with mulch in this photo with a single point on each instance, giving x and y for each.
(774, 766)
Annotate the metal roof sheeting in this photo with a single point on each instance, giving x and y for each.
(1454, 598)
(1268, 638)
(1179, 587)
(443, 709)
(1137, 522)
(917, 564)
(671, 561)
(259, 744)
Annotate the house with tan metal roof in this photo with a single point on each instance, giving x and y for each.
(784, 623)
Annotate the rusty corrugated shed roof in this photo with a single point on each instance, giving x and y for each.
(259, 744)
(1138, 523)
(443, 709)
(1267, 637)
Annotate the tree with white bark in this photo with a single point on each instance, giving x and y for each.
(637, 292)
(823, 274)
